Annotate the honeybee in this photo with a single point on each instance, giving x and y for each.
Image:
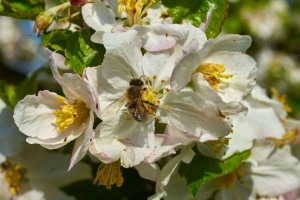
(132, 100)
(135, 104)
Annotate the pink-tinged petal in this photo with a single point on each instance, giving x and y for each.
(204, 25)
(188, 112)
(83, 142)
(164, 146)
(157, 43)
(97, 16)
(34, 115)
(106, 149)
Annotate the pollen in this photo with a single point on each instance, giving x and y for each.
(214, 74)
(109, 174)
(69, 114)
(13, 175)
(134, 9)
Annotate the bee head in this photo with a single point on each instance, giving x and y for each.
(136, 82)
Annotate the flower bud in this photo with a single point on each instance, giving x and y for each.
(44, 19)
(78, 3)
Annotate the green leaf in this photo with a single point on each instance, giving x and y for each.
(196, 11)
(77, 48)
(21, 9)
(203, 169)
(56, 40)
(11, 94)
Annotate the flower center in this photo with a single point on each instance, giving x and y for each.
(228, 180)
(151, 97)
(13, 175)
(69, 113)
(213, 73)
(109, 174)
(134, 9)
(218, 146)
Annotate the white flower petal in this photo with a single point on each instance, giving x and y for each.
(243, 69)
(256, 125)
(127, 140)
(188, 112)
(123, 58)
(83, 142)
(11, 140)
(229, 42)
(98, 16)
(43, 170)
(202, 87)
(148, 171)
(72, 84)
(186, 63)
(276, 175)
(34, 115)
(97, 37)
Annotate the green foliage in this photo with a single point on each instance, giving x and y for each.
(196, 11)
(21, 9)
(77, 47)
(203, 169)
(11, 94)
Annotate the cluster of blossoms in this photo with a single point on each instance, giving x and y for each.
(165, 89)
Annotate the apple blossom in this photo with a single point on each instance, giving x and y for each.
(53, 121)
(119, 137)
(219, 69)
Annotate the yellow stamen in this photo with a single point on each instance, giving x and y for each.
(134, 9)
(69, 113)
(281, 99)
(13, 175)
(109, 174)
(213, 73)
(228, 180)
(287, 138)
(218, 145)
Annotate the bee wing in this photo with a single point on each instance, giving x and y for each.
(140, 113)
(114, 107)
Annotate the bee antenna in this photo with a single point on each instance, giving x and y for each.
(132, 74)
